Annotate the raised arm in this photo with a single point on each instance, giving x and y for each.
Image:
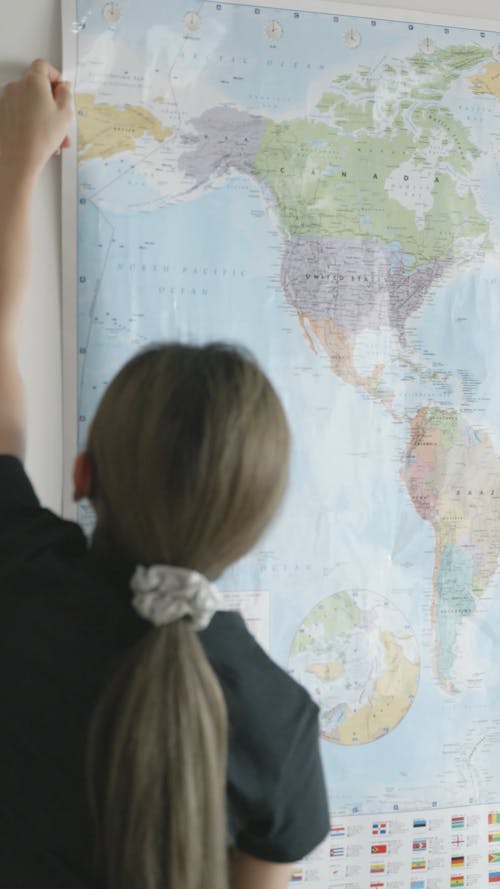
(35, 117)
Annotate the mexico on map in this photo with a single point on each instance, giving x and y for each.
(324, 187)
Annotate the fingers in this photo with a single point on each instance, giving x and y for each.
(63, 95)
(40, 66)
(61, 89)
(38, 110)
(65, 144)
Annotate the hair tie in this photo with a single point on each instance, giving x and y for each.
(164, 594)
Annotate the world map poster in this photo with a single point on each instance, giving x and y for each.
(323, 185)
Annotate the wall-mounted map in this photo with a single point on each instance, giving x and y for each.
(325, 188)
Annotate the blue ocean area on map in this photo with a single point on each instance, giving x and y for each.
(461, 330)
(165, 270)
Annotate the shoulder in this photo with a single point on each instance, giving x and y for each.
(27, 530)
(277, 798)
(258, 691)
(15, 485)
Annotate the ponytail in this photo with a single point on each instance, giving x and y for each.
(191, 448)
(157, 768)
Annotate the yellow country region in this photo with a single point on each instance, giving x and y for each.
(471, 505)
(489, 81)
(105, 130)
(450, 520)
(339, 346)
(391, 699)
(327, 672)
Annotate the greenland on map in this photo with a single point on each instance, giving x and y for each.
(325, 189)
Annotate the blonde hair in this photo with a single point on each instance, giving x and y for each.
(191, 449)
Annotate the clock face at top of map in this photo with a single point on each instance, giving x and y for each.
(112, 13)
(192, 21)
(274, 30)
(427, 46)
(352, 38)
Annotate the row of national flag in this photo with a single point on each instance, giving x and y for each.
(493, 854)
(457, 863)
(337, 836)
(380, 831)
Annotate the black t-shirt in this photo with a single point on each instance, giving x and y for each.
(65, 617)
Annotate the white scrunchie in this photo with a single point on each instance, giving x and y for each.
(164, 594)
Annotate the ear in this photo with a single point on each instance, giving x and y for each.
(83, 477)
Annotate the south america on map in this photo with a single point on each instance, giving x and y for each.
(325, 189)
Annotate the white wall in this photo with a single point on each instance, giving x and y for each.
(30, 29)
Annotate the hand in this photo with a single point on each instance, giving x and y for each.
(35, 116)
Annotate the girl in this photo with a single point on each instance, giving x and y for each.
(147, 741)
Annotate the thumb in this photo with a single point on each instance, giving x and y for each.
(63, 95)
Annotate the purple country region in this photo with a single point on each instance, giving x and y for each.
(357, 283)
(221, 139)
